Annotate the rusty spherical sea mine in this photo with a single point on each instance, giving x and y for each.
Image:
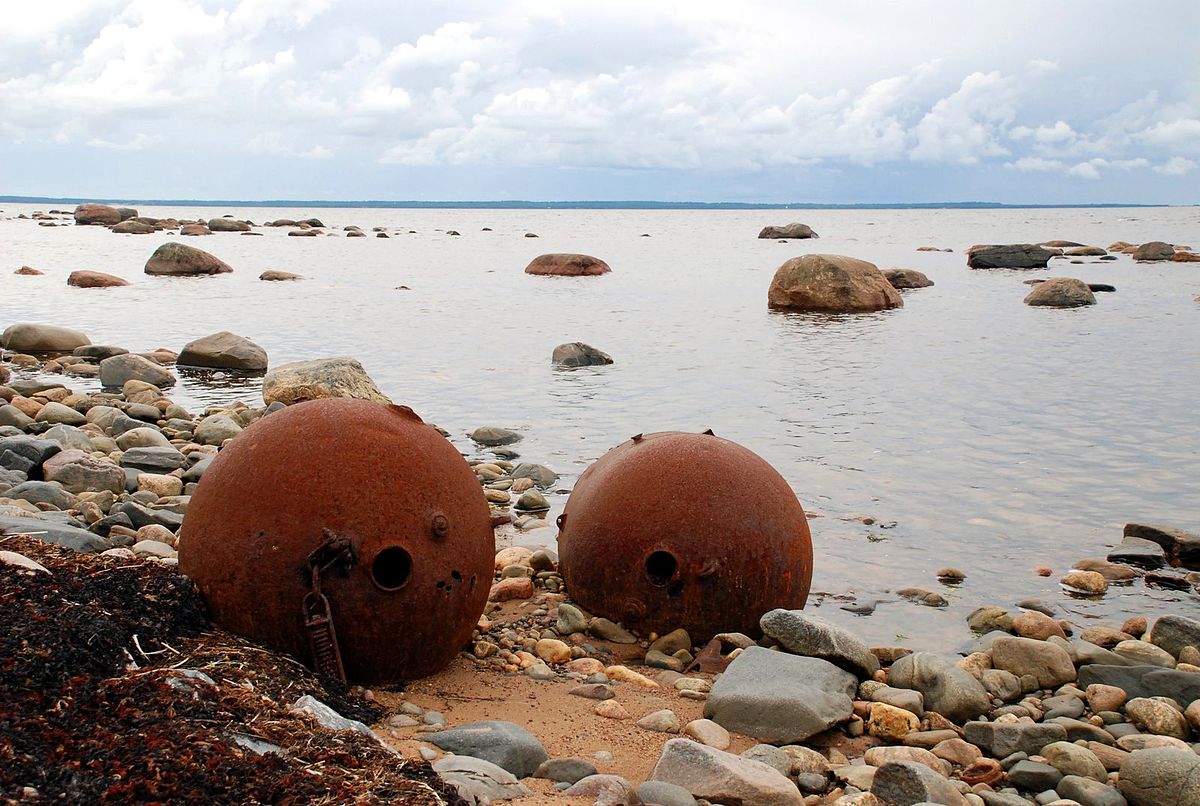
(673, 530)
(346, 528)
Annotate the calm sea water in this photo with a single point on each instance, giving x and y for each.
(994, 436)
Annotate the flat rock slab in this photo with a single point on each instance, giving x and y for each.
(1005, 738)
(478, 780)
(816, 638)
(780, 698)
(722, 777)
(1145, 681)
(78, 540)
(507, 745)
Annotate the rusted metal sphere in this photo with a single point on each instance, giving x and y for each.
(383, 506)
(675, 530)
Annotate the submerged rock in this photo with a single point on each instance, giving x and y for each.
(578, 354)
(1061, 292)
(94, 279)
(567, 265)
(1008, 256)
(907, 278)
(791, 231)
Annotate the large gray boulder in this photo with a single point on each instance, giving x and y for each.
(816, 638)
(119, 369)
(789, 231)
(179, 260)
(31, 337)
(1008, 256)
(722, 777)
(507, 745)
(44, 492)
(1173, 633)
(1050, 664)
(780, 698)
(831, 284)
(1144, 681)
(952, 692)
(1061, 292)
(905, 783)
(1161, 776)
(317, 379)
(223, 350)
(1154, 250)
(80, 472)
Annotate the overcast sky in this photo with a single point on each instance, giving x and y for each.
(926, 100)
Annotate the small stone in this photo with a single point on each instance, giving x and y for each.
(892, 723)
(707, 732)
(512, 588)
(1090, 582)
(663, 721)
(611, 709)
(552, 651)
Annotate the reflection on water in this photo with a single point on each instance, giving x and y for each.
(997, 437)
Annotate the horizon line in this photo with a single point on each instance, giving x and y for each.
(526, 204)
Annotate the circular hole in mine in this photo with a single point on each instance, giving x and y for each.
(391, 568)
(661, 567)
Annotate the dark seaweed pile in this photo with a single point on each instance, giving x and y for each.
(101, 700)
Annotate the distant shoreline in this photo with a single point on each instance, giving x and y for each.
(565, 205)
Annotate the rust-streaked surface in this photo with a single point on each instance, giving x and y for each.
(375, 475)
(675, 530)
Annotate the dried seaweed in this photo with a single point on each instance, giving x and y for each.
(116, 689)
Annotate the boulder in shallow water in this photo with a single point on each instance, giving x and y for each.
(1061, 292)
(116, 371)
(194, 229)
(578, 354)
(320, 378)
(793, 231)
(224, 350)
(567, 265)
(100, 214)
(32, 337)
(94, 279)
(274, 275)
(831, 284)
(907, 278)
(1008, 256)
(179, 260)
(133, 226)
(1154, 250)
(228, 225)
